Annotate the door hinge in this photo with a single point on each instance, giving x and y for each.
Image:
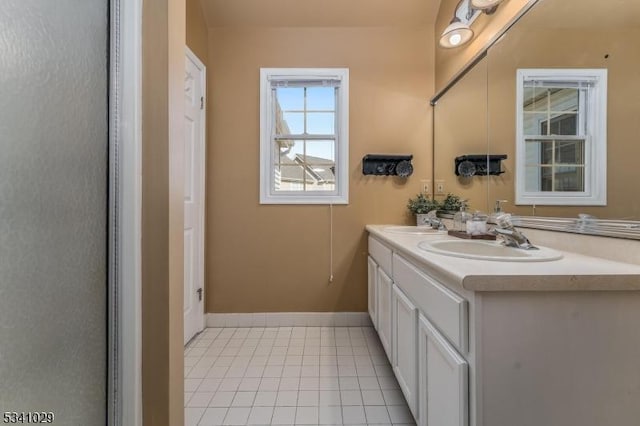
(199, 291)
(201, 102)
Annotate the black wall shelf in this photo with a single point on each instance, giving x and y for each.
(387, 165)
(484, 165)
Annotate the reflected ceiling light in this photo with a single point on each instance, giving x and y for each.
(485, 4)
(456, 34)
(459, 30)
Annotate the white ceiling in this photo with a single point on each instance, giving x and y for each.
(319, 13)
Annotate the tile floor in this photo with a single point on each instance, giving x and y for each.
(291, 375)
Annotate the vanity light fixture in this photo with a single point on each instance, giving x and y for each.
(459, 31)
(456, 34)
(487, 6)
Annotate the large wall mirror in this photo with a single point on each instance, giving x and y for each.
(461, 129)
(572, 148)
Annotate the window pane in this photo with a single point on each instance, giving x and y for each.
(538, 179)
(287, 151)
(289, 178)
(320, 160)
(290, 98)
(564, 100)
(304, 177)
(325, 186)
(297, 149)
(539, 152)
(535, 123)
(570, 152)
(321, 98)
(321, 176)
(281, 147)
(321, 123)
(321, 151)
(569, 179)
(294, 122)
(532, 179)
(546, 179)
(561, 124)
(535, 99)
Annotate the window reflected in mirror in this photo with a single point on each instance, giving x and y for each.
(560, 136)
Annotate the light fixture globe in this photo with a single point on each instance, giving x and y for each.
(455, 35)
(485, 4)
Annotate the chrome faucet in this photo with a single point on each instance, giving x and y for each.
(510, 235)
(435, 222)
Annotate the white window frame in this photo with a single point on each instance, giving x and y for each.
(267, 119)
(595, 165)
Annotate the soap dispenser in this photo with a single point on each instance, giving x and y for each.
(460, 218)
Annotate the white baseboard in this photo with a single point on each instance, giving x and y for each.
(290, 319)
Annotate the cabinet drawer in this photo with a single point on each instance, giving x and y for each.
(444, 308)
(381, 254)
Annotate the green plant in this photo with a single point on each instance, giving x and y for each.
(451, 203)
(422, 204)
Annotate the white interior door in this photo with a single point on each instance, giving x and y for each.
(194, 146)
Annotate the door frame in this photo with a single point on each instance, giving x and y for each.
(203, 163)
(124, 370)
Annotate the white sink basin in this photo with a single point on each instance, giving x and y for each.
(413, 230)
(488, 250)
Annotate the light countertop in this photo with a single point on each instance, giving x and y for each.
(574, 272)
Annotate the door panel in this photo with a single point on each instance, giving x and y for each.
(405, 356)
(384, 289)
(53, 208)
(189, 267)
(371, 279)
(193, 199)
(444, 389)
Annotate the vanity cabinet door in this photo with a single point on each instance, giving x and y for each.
(405, 351)
(384, 290)
(443, 374)
(373, 300)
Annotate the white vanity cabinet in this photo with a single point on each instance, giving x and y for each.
(479, 343)
(384, 289)
(444, 381)
(422, 326)
(379, 290)
(372, 276)
(405, 355)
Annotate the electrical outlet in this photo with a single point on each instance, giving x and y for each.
(439, 187)
(425, 187)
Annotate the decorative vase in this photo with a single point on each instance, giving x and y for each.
(422, 220)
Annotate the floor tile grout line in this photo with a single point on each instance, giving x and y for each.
(354, 335)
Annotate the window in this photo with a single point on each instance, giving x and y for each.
(304, 142)
(561, 151)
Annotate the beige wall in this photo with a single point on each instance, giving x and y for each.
(276, 258)
(197, 33)
(461, 129)
(163, 41)
(486, 28)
